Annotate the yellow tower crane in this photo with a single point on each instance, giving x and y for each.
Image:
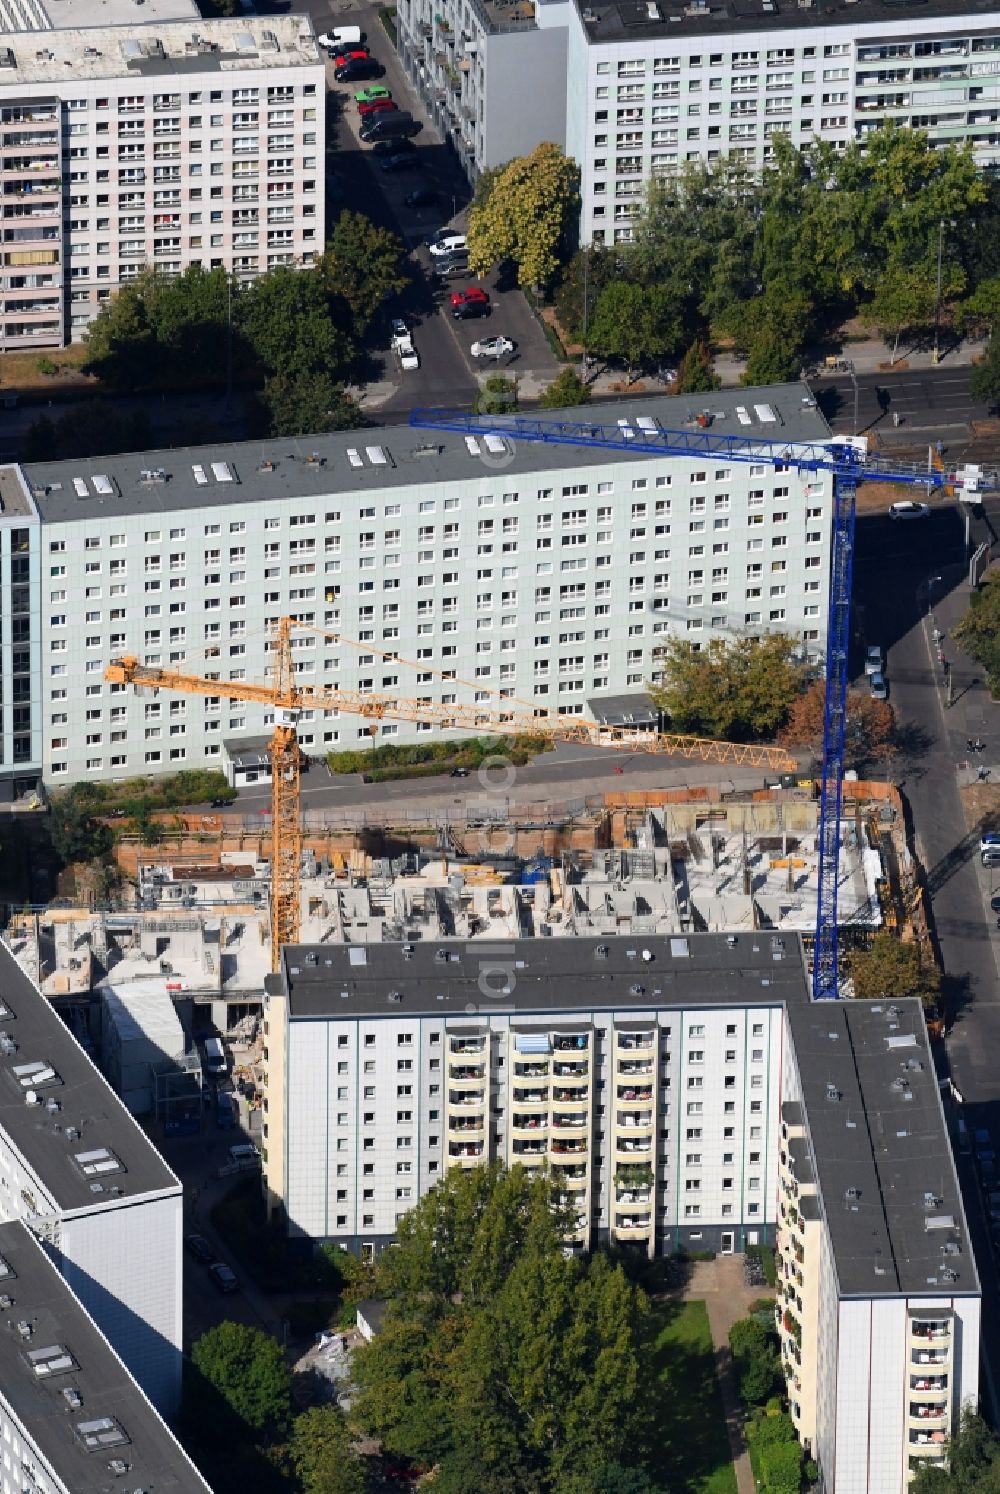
(289, 699)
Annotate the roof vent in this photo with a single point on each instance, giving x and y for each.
(637, 990)
(601, 952)
(832, 1092)
(395, 996)
(24, 1328)
(852, 1194)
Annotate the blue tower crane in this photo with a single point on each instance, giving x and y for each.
(849, 462)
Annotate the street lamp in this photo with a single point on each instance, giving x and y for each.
(854, 382)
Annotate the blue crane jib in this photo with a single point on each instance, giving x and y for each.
(849, 462)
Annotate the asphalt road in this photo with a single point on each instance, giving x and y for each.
(901, 570)
(933, 401)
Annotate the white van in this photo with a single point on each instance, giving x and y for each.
(244, 1152)
(339, 37)
(216, 1062)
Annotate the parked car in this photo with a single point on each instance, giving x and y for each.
(873, 659)
(452, 269)
(446, 241)
(372, 92)
(377, 106)
(989, 840)
(389, 125)
(474, 295)
(459, 773)
(991, 856)
(224, 1278)
(339, 37)
(405, 160)
(908, 509)
(199, 1247)
(357, 70)
(492, 347)
(879, 685)
(356, 54)
(394, 148)
(421, 197)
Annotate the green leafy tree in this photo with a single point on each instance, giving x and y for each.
(304, 403)
(781, 1467)
(249, 1370)
(980, 312)
(526, 216)
(737, 689)
(510, 1365)
(322, 1454)
(498, 396)
(75, 834)
(889, 970)
(973, 1463)
(771, 331)
(121, 340)
(903, 304)
(634, 324)
(979, 630)
(567, 388)
(696, 374)
(984, 377)
(286, 319)
(363, 266)
(757, 1359)
(586, 275)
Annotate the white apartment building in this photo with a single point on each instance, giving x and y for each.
(689, 1095)
(650, 86)
(201, 143)
(80, 1173)
(879, 1300)
(646, 1072)
(72, 1418)
(536, 573)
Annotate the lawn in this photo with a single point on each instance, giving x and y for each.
(693, 1454)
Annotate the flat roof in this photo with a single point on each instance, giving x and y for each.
(22, 16)
(393, 457)
(107, 1417)
(675, 20)
(882, 1154)
(15, 498)
(449, 978)
(624, 710)
(90, 1117)
(136, 51)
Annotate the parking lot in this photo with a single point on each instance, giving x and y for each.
(447, 373)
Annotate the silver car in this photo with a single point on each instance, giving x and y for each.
(879, 686)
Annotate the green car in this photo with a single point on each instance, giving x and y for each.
(369, 95)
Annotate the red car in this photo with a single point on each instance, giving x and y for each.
(355, 55)
(377, 106)
(468, 297)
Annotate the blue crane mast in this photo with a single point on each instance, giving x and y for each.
(850, 464)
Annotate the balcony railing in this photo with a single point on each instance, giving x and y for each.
(465, 1149)
(634, 1066)
(467, 1045)
(569, 1042)
(930, 1331)
(571, 1068)
(529, 1122)
(643, 1093)
(561, 1148)
(576, 1096)
(569, 1122)
(466, 1073)
(531, 1070)
(528, 1148)
(467, 1097)
(631, 1042)
(528, 1096)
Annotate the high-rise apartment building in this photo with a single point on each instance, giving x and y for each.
(85, 1179)
(651, 86)
(72, 1418)
(688, 1095)
(121, 147)
(538, 573)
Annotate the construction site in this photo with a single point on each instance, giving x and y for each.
(187, 949)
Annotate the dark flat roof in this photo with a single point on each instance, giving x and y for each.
(624, 710)
(549, 975)
(155, 1460)
(629, 20)
(286, 467)
(883, 1157)
(85, 1100)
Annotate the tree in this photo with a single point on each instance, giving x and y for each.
(757, 1359)
(984, 378)
(781, 1467)
(285, 317)
(903, 302)
(889, 970)
(696, 374)
(771, 331)
(735, 689)
(567, 388)
(76, 835)
(979, 630)
(304, 403)
(526, 216)
(322, 1455)
(121, 341)
(510, 1365)
(973, 1463)
(586, 275)
(635, 324)
(249, 1370)
(869, 728)
(498, 396)
(362, 267)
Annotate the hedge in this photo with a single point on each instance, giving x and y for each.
(436, 757)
